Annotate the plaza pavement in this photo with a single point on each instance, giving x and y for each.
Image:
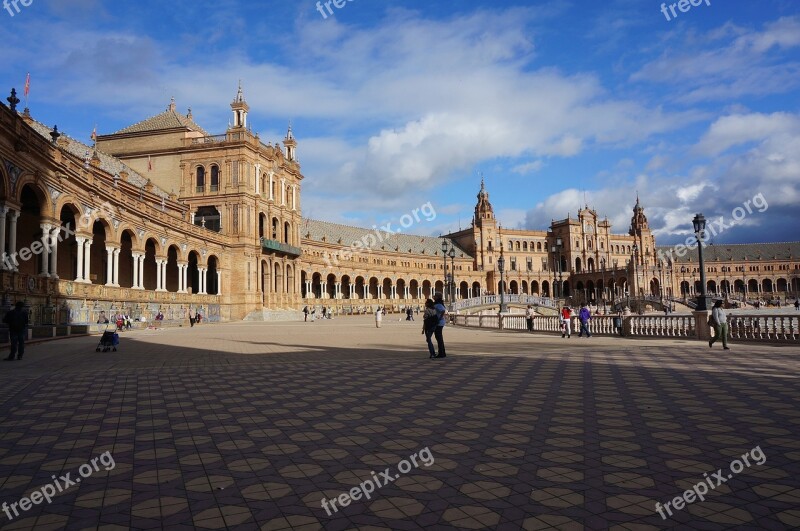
(250, 425)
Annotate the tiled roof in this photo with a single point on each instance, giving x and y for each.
(108, 163)
(344, 235)
(169, 119)
(739, 251)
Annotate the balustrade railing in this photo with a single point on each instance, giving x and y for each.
(784, 328)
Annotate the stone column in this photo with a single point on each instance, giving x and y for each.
(338, 286)
(158, 275)
(109, 266)
(419, 292)
(141, 271)
(87, 261)
(80, 240)
(12, 238)
(283, 192)
(219, 282)
(202, 279)
(3, 215)
(294, 197)
(352, 290)
(45, 241)
(135, 270)
(164, 264)
(54, 251)
(116, 265)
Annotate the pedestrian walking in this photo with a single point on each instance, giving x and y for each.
(192, 318)
(305, 313)
(324, 312)
(720, 323)
(585, 316)
(797, 304)
(430, 320)
(566, 316)
(618, 323)
(529, 317)
(17, 321)
(441, 313)
(378, 318)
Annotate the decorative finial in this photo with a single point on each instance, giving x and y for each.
(171, 104)
(240, 94)
(54, 134)
(189, 114)
(13, 100)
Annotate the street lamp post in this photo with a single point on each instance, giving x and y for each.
(614, 284)
(501, 262)
(444, 256)
(699, 224)
(452, 255)
(635, 274)
(558, 284)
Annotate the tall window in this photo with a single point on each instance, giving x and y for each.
(201, 179)
(214, 178)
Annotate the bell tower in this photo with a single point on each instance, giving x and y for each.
(239, 108)
(642, 236)
(291, 145)
(484, 226)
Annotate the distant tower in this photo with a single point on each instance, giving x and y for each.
(640, 230)
(239, 108)
(484, 228)
(291, 145)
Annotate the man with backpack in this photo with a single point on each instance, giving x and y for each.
(17, 321)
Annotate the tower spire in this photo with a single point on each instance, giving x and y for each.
(239, 108)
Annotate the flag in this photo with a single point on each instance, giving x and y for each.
(27, 84)
(94, 133)
(149, 163)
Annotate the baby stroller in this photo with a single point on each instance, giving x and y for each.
(108, 341)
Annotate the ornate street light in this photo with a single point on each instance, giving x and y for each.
(452, 255)
(501, 262)
(444, 256)
(558, 284)
(699, 224)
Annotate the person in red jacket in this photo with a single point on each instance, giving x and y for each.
(566, 316)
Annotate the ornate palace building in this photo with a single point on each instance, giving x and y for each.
(163, 216)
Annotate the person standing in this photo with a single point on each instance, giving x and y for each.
(378, 317)
(797, 304)
(305, 313)
(618, 322)
(585, 316)
(529, 317)
(192, 318)
(720, 323)
(430, 320)
(441, 313)
(566, 316)
(17, 321)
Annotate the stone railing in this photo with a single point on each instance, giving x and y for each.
(494, 300)
(779, 328)
(661, 326)
(772, 328)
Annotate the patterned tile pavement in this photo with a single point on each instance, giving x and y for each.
(249, 426)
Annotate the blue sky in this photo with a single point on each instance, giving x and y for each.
(395, 104)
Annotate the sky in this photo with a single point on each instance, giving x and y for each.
(557, 104)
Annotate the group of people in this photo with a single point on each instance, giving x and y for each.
(327, 313)
(433, 320)
(195, 317)
(120, 320)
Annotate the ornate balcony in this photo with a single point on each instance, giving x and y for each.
(274, 245)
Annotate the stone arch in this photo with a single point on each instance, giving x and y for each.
(174, 256)
(476, 289)
(152, 249)
(346, 282)
(330, 286)
(193, 272)
(361, 288)
(127, 245)
(67, 266)
(98, 255)
(28, 180)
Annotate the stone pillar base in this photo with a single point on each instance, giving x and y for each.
(701, 325)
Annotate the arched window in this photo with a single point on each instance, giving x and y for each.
(286, 232)
(517, 245)
(274, 228)
(201, 179)
(524, 246)
(538, 246)
(214, 178)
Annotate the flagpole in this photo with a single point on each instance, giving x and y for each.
(27, 88)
